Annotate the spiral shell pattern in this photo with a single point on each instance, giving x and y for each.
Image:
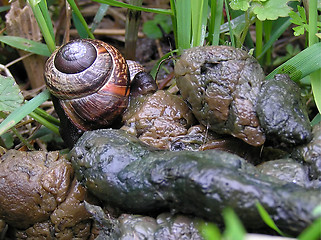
(93, 91)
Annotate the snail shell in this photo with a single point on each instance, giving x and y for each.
(91, 80)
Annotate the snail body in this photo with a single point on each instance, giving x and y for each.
(90, 83)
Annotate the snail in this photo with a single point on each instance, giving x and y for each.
(90, 83)
(226, 89)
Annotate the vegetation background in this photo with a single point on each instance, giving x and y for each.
(283, 35)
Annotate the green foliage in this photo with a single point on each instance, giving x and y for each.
(271, 9)
(263, 9)
(82, 31)
(242, 5)
(301, 65)
(291, 51)
(152, 28)
(317, 211)
(210, 231)
(4, 8)
(267, 219)
(199, 21)
(19, 113)
(26, 45)
(299, 18)
(40, 10)
(234, 229)
(316, 120)
(129, 6)
(313, 232)
(7, 140)
(10, 95)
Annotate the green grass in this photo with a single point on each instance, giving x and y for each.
(198, 23)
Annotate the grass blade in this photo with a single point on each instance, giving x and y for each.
(316, 88)
(316, 120)
(4, 8)
(184, 22)
(47, 116)
(199, 21)
(302, 64)
(229, 23)
(267, 219)
(154, 70)
(173, 16)
(125, 5)
(313, 232)
(82, 32)
(233, 226)
(99, 16)
(132, 26)
(315, 77)
(277, 32)
(18, 114)
(42, 23)
(26, 45)
(216, 19)
(259, 37)
(77, 12)
(44, 122)
(44, 10)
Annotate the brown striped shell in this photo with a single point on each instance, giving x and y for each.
(91, 80)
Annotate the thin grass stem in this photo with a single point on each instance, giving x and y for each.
(258, 37)
(267, 25)
(184, 21)
(44, 122)
(44, 10)
(80, 17)
(315, 77)
(229, 24)
(43, 25)
(18, 114)
(47, 116)
(216, 19)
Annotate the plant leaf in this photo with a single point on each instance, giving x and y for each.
(10, 95)
(125, 5)
(240, 4)
(302, 64)
(271, 9)
(299, 30)
(199, 21)
(295, 18)
(184, 22)
(4, 8)
(312, 232)
(267, 219)
(19, 113)
(26, 45)
(80, 28)
(8, 140)
(233, 226)
(314, 122)
(210, 231)
(152, 27)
